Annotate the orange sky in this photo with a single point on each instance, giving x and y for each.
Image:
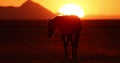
(90, 7)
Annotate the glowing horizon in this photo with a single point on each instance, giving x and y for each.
(90, 7)
(71, 9)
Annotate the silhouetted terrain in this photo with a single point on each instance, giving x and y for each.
(23, 38)
(25, 41)
(29, 10)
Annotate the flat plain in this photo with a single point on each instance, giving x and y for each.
(25, 41)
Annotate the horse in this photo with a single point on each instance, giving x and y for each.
(69, 28)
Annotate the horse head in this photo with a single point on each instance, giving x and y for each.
(51, 28)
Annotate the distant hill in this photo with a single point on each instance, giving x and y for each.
(29, 10)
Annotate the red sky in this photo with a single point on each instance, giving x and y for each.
(90, 7)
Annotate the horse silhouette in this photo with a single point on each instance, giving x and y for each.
(69, 28)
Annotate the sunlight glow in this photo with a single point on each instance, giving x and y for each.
(71, 9)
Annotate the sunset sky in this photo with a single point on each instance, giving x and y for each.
(90, 7)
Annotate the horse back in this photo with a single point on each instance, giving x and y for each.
(68, 24)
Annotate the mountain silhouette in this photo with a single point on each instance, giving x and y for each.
(28, 11)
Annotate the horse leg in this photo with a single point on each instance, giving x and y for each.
(65, 45)
(70, 38)
(76, 39)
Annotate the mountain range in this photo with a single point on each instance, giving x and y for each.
(28, 11)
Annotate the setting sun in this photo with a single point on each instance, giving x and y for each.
(71, 9)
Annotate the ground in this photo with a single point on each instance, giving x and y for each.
(25, 41)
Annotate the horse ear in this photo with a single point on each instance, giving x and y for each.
(48, 19)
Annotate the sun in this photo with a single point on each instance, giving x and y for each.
(71, 9)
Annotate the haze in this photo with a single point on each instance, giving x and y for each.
(90, 7)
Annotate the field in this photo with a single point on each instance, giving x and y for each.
(25, 41)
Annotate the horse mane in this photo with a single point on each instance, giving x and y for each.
(66, 16)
